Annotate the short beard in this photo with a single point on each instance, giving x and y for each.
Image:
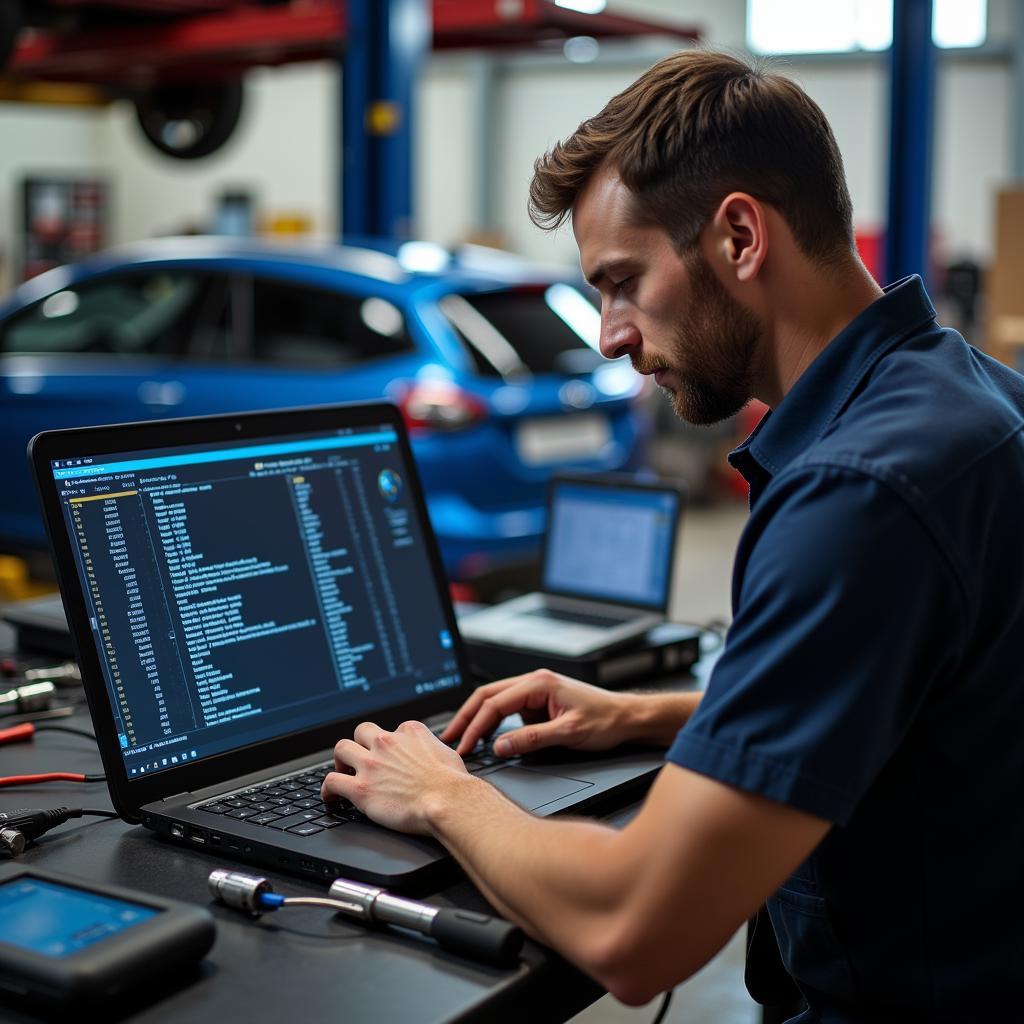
(714, 350)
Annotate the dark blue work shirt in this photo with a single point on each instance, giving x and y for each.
(874, 672)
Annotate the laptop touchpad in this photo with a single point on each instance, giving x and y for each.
(532, 789)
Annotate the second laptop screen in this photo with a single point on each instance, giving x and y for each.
(611, 543)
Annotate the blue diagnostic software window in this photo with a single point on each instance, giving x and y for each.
(241, 592)
(611, 543)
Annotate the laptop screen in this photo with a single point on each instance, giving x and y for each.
(240, 592)
(611, 543)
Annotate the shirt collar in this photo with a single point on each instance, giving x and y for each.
(820, 393)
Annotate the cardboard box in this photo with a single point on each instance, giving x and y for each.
(1005, 280)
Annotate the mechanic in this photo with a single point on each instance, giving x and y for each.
(856, 759)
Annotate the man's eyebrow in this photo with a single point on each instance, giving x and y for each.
(602, 270)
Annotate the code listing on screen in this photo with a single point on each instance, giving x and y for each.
(238, 593)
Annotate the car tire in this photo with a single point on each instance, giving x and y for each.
(188, 122)
(10, 26)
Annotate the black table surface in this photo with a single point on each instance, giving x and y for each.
(301, 962)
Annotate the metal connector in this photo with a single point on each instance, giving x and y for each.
(240, 891)
(12, 841)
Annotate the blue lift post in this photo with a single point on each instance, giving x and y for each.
(386, 41)
(912, 108)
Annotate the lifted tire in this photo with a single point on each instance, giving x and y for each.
(190, 121)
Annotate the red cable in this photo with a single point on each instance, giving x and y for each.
(28, 780)
(24, 732)
(17, 733)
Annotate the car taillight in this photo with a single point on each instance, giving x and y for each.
(438, 405)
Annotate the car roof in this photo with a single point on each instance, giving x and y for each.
(407, 265)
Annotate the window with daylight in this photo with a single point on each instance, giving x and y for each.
(845, 26)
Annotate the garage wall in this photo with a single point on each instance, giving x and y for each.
(974, 154)
(446, 177)
(286, 150)
(39, 140)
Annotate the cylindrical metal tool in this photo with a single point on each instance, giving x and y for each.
(479, 936)
(462, 931)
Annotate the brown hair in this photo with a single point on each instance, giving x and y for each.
(695, 127)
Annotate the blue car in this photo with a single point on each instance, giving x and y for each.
(492, 362)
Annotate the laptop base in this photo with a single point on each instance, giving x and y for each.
(669, 649)
(551, 782)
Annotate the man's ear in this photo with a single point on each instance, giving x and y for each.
(739, 236)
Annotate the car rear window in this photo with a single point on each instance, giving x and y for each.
(524, 331)
(301, 326)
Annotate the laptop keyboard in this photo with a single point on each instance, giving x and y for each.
(292, 803)
(581, 618)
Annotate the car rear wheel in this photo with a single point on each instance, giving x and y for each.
(190, 121)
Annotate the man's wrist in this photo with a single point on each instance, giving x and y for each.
(443, 803)
(655, 718)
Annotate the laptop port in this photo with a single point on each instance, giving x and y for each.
(232, 844)
(199, 835)
(216, 840)
(178, 831)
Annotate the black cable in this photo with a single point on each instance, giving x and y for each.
(66, 728)
(20, 827)
(95, 778)
(666, 1001)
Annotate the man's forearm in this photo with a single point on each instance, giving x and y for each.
(559, 880)
(544, 891)
(639, 909)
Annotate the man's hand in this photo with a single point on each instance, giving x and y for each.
(394, 777)
(557, 710)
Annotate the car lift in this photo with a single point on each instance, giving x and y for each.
(182, 62)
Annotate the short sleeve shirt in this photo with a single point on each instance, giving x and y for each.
(874, 671)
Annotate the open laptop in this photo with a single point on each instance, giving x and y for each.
(242, 591)
(607, 569)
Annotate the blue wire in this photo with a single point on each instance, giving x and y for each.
(271, 900)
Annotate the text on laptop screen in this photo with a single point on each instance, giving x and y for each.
(611, 543)
(242, 592)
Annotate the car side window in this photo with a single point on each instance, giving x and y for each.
(301, 326)
(145, 314)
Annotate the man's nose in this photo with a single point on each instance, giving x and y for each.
(618, 338)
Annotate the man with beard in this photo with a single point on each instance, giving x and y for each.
(856, 759)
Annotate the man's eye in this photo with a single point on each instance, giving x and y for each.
(625, 283)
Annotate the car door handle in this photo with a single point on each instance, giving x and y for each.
(163, 393)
